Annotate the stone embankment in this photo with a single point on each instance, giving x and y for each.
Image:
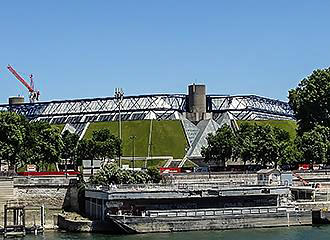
(6, 190)
(54, 193)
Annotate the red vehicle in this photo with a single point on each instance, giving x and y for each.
(304, 166)
(170, 170)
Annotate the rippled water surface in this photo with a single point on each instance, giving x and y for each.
(292, 233)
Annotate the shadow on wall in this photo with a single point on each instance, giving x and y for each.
(71, 199)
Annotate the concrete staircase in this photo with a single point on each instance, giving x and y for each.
(6, 191)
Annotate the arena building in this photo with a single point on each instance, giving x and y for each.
(198, 112)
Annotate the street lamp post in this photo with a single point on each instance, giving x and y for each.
(133, 149)
(119, 95)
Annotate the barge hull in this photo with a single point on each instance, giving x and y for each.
(177, 224)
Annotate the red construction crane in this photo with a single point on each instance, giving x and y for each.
(34, 94)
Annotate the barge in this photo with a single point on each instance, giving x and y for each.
(210, 219)
(144, 209)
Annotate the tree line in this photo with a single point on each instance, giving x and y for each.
(261, 144)
(34, 142)
(270, 145)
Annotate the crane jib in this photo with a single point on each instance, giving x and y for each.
(34, 95)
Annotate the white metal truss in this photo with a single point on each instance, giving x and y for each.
(249, 107)
(158, 106)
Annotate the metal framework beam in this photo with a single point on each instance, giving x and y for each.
(159, 106)
(97, 106)
(249, 107)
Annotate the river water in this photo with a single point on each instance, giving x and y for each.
(291, 233)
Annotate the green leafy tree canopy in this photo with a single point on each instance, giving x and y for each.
(44, 144)
(220, 146)
(310, 100)
(111, 174)
(70, 142)
(315, 145)
(102, 145)
(12, 137)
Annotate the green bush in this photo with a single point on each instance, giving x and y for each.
(112, 174)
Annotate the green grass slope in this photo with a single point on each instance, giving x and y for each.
(288, 125)
(140, 129)
(168, 138)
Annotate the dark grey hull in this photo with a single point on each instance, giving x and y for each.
(134, 224)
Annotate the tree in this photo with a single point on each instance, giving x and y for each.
(102, 135)
(86, 149)
(102, 145)
(245, 148)
(315, 145)
(111, 174)
(263, 144)
(220, 147)
(310, 101)
(290, 154)
(154, 174)
(24, 142)
(269, 142)
(107, 145)
(70, 145)
(43, 144)
(12, 135)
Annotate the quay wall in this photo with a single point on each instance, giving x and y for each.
(54, 193)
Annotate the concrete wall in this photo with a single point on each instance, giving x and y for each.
(6, 194)
(55, 193)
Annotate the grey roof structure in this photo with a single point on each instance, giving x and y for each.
(228, 119)
(206, 127)
(190, 129)
(156, 106)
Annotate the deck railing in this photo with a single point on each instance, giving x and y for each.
(158, 187)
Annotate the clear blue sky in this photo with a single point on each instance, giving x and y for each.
(79, 49)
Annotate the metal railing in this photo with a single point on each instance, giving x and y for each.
(213, 212)
(220, 186)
